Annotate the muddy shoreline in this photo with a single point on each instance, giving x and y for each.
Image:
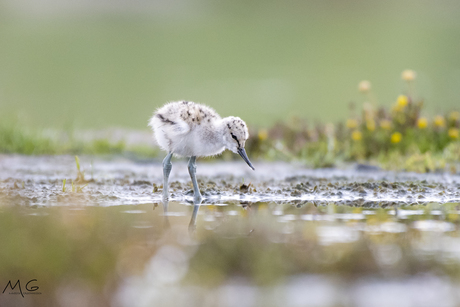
(38, 181)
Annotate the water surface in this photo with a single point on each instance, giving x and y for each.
(283, 235)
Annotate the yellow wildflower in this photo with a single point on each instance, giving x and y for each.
(453, 133)
(422, 123)
(385, 124)
(408, 75)
(396, 137)
(263, 134)
(370, 124)
(402, 101)
(352, 123)
(364, 86)
(439, 121)
(454, 115)
(356, 135)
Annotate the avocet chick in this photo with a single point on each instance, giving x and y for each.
(189, 129)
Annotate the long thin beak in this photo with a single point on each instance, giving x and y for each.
(243, 155)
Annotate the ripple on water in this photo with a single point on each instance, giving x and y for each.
(433, 225)
(134, 211)
(328, 235)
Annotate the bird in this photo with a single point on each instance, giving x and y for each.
(188, 129)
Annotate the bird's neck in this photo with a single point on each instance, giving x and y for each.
(221, 126)
(221, 129)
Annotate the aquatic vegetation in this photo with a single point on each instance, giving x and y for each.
(80, 174)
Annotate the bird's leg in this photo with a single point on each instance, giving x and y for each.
(192, 225)
(192, 171)
(167, 166)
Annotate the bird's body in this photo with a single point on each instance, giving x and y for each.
(189, 129)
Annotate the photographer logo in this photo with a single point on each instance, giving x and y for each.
(30, 288)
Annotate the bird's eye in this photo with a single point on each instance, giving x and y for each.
(234, 137)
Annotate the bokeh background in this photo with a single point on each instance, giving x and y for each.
(72, 69)
(99, 63)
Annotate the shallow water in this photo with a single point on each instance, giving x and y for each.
(280, 236)
(38, 181)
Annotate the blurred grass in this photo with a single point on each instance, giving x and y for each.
(14, 139)
(261, 60)
(17, 139)
(286, 69)
(400, 138)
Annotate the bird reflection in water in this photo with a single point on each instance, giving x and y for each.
(192, 225)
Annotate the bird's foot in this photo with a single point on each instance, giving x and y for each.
(197, 199)
(165, 198)
(191, 227)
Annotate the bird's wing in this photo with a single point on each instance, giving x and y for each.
(181, 127)
(168, 123)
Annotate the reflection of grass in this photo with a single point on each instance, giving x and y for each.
(57, 245)
(94, 249)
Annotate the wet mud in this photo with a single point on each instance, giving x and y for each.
(38, 181)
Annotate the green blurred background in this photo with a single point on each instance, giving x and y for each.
(94, 64)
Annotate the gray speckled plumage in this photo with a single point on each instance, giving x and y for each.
(190, 129)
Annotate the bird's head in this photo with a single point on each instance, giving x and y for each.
(235, 136)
